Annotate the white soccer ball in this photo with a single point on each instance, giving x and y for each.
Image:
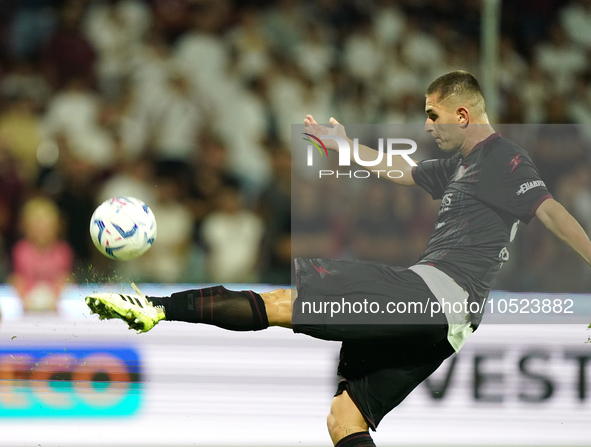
(123, 228)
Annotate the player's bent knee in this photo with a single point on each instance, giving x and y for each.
(331, 424)
(338, 429)
(344, 418)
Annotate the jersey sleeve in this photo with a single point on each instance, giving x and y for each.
(434, 175)
(510, 182)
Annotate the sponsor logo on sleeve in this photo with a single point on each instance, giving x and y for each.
(516, 160)
(525, 187)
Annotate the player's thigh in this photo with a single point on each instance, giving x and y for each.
(379, 376)
(278, 306)
(354, 301)
(344, 418)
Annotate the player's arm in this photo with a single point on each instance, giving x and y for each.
(560, 222)
(365, 152)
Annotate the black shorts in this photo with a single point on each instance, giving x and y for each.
(382, 360)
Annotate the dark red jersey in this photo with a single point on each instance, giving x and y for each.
(484, 196)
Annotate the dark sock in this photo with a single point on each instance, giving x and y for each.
(237, 311)
(360, 439)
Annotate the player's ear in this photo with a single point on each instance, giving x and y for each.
(463, 116)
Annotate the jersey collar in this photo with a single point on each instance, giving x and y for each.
(478, 145)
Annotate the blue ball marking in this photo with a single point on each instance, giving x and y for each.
(126, 234)
(101, 226)
(110, 250)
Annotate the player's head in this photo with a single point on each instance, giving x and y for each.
(40, 221)
(453, 102)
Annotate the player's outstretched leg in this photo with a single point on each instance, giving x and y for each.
(228, 309)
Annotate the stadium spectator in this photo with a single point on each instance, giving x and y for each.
(421, 49)
(251, 45)
(210, 174)
(177, 122)
(233, 237)
(134, 179)
(552, 163)
(315, 55)
(242, 120)
(514, 110)
(580, 100)
(42, 262)
(25, 81)
(535, 92)
(561, 59)
(68, 52)
(72, 184)
(115, 29)
(362, 54)
(576, 20)
(202, 53)
(20, 131)
(33, 22)
(168, 258)
(284, 25)
(512, 68)
(171, 18)
(405, 82)
(149, 82)
(75, 113)
(388, 21)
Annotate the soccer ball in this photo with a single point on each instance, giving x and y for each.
(123, 228)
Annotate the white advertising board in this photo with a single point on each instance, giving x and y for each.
(195, 385)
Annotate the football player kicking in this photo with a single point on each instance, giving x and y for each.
(487, 187)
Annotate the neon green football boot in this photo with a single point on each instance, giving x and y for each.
(135, 310)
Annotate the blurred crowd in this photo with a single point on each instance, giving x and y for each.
(188, 105)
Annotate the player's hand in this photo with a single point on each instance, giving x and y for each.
(313, 128)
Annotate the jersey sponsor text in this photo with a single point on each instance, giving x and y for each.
(525, 187)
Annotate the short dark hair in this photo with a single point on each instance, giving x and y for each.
(460, 83)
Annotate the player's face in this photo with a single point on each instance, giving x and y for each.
(443, 123)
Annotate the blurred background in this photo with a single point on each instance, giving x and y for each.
(188, 105)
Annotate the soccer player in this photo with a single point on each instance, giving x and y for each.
(487, 187)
